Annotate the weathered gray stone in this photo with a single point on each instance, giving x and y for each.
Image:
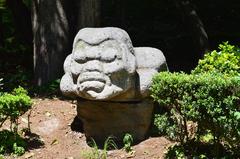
(149, 62)
(102, 65)
(105, 66)
(113, 78)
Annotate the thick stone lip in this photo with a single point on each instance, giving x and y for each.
(95, 86)
(92, 83)
(92, 79)
(91, 76)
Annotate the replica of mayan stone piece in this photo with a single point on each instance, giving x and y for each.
(111, 79)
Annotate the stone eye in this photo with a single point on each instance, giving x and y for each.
(81, 60)
(79, 57)
(109, 55)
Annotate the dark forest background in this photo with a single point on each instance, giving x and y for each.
(37, 35)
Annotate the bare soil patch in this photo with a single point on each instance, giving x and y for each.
(52, 136)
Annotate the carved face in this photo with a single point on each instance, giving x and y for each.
(102, 71)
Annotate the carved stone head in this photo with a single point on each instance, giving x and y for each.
(101, 66)
(104, 65)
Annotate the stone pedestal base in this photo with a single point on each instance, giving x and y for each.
(104, 119)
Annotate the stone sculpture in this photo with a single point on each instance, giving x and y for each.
(111, 79)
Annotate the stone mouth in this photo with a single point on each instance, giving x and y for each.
(91, 76)
(89, 79)
(92, 83)
(89, 86)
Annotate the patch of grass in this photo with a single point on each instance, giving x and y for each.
(96, 153)
(128, 141)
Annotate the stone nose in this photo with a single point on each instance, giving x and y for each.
(93, 65)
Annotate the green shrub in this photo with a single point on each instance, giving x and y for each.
(11, 143)
(226, 60)
(164, 125)
(12, 106)
(196, 150)
(210, 100)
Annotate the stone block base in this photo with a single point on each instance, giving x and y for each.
(104, 119)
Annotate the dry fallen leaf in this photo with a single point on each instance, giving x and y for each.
(48, 114)
(54, 142)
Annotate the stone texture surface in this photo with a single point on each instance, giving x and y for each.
(111, 80)
(149, 62)
(104, 119)
(104, 66)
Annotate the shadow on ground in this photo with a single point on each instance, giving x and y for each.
(33, 141)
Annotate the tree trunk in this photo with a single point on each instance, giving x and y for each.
(195, 26)
(89, 13)
(50, 43)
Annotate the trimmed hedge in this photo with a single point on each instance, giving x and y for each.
(210, 101)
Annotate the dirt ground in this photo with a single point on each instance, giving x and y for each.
(53, 136)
